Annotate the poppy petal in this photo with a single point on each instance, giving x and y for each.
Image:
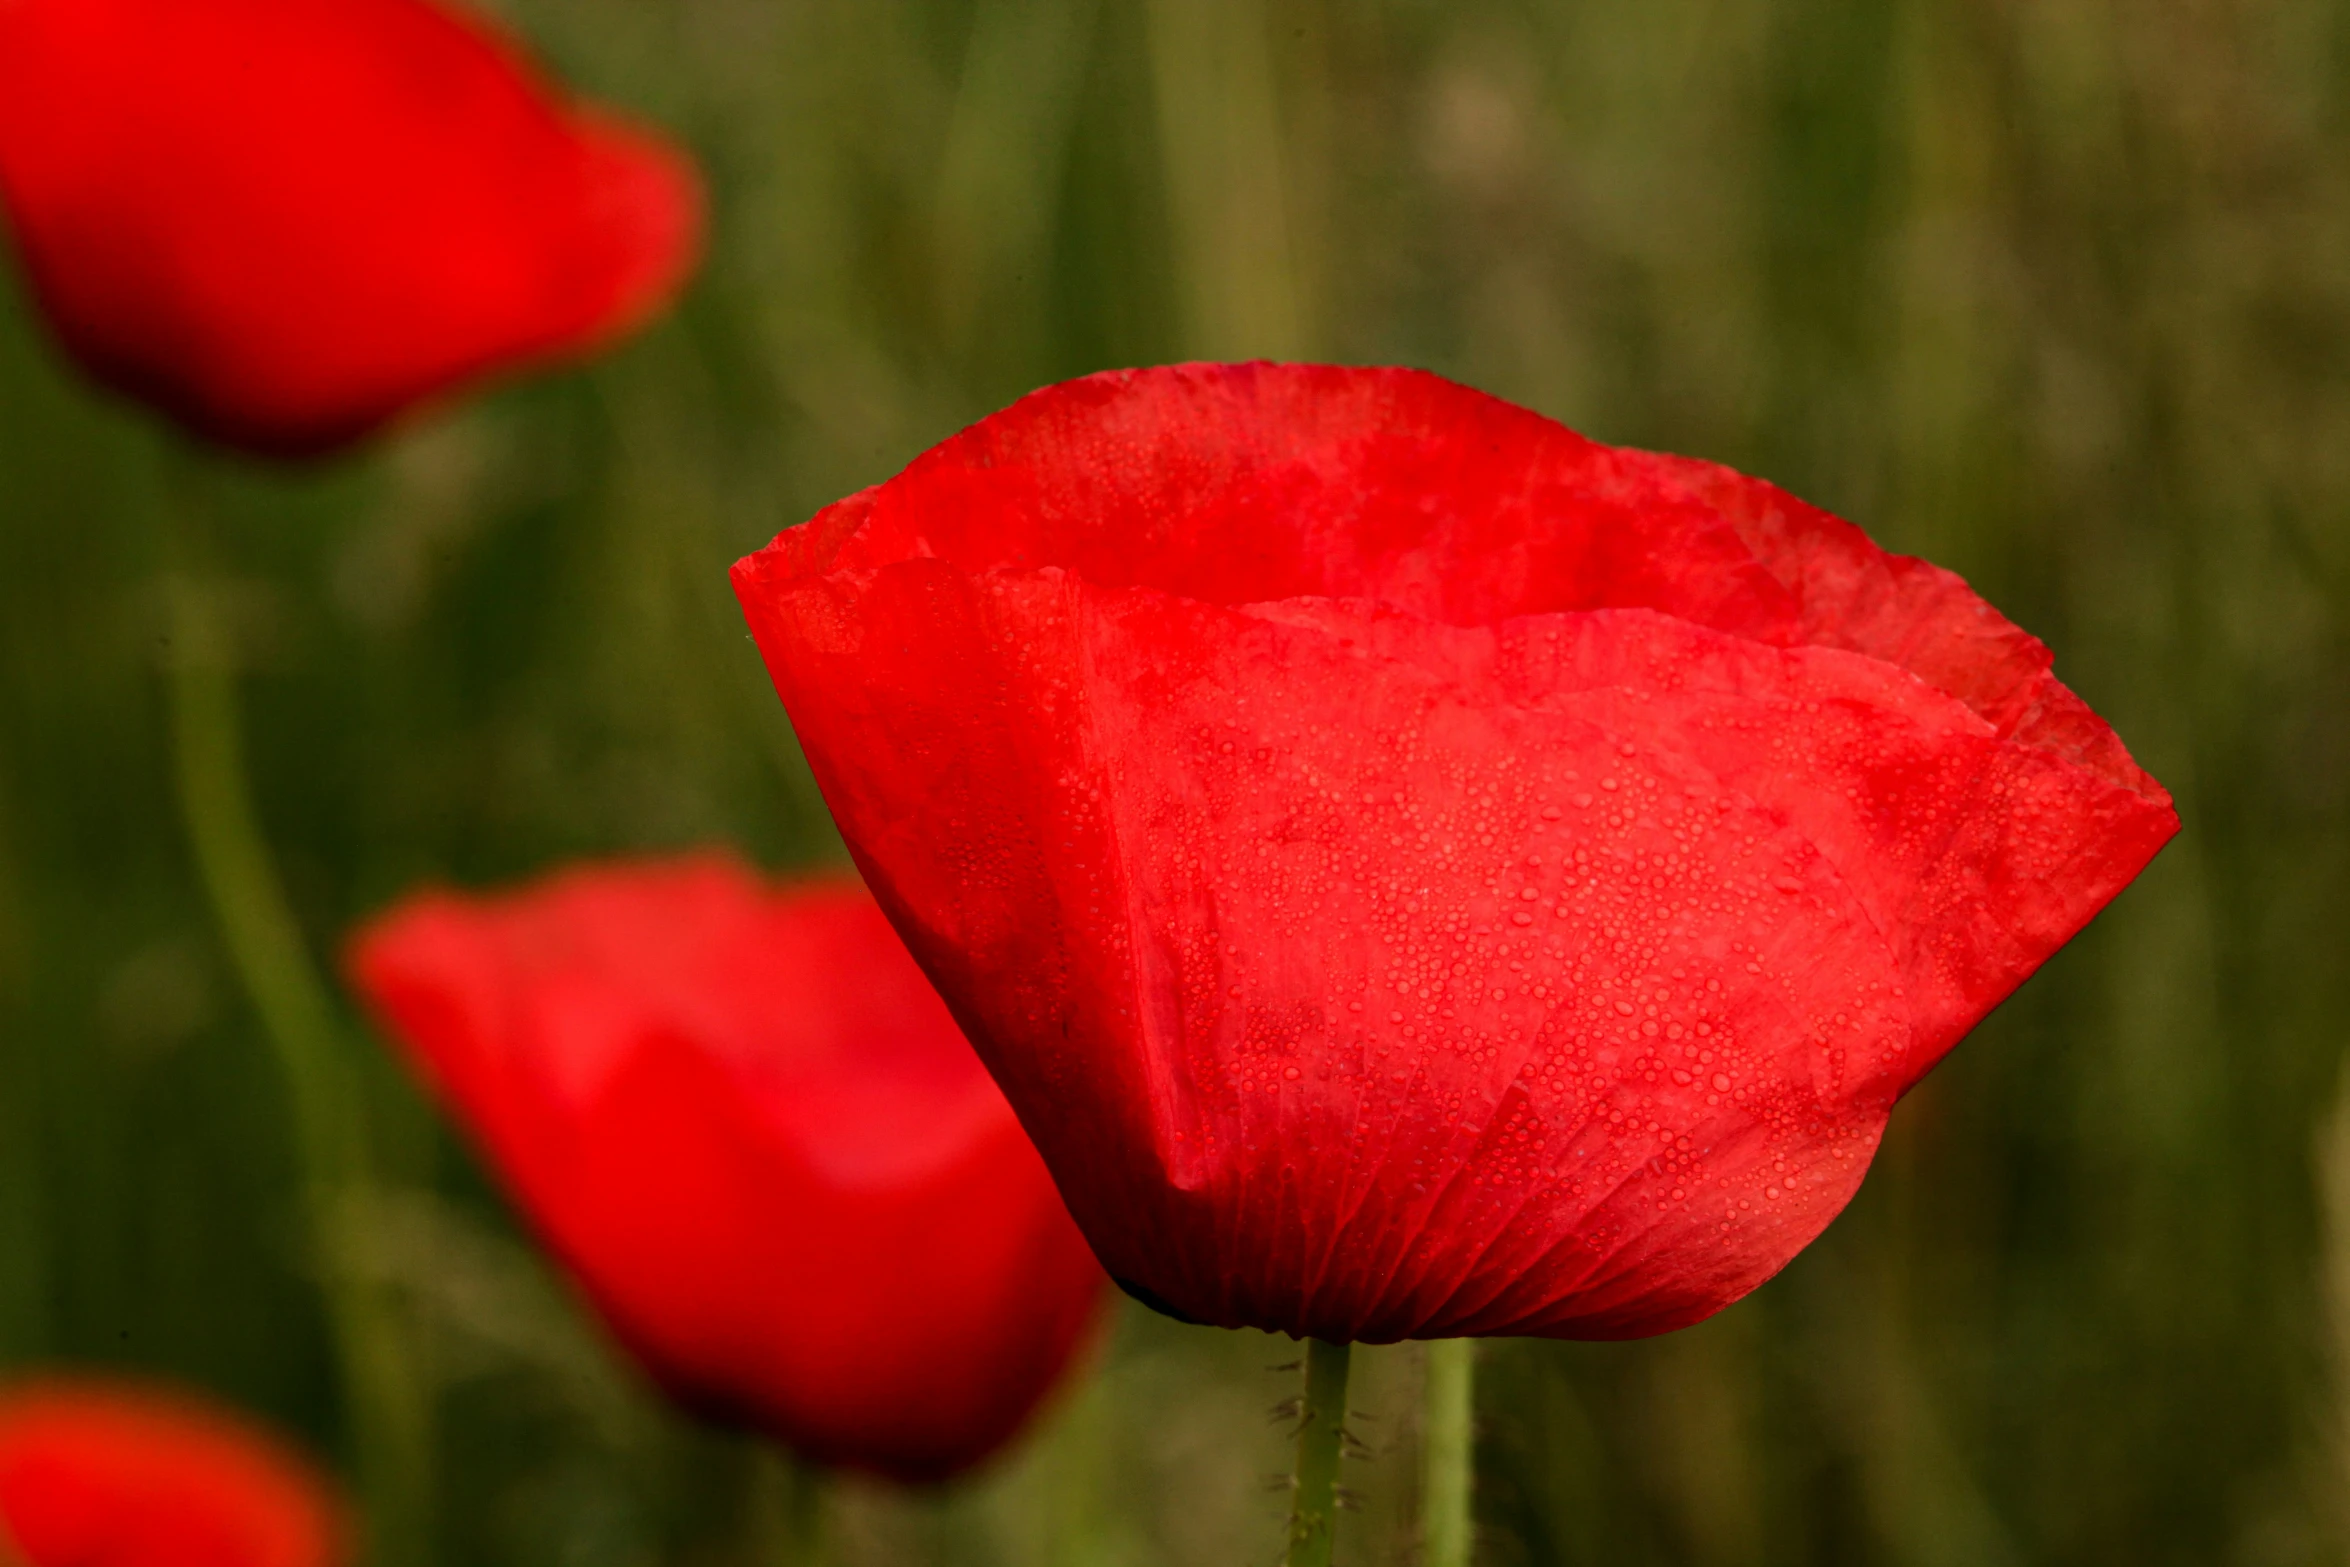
(1416, 871)
(284, 222)
(102, 1471)
(752, 1132)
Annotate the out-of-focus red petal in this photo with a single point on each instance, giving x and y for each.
(103, 1472)
(754, 1134)
(642, 202)
(285, 221)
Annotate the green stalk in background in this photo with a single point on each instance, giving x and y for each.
(1448, 1452)
(384, 1400)
(1000, 173)
(1221, 141)
(788, 1509)
(1313, 1518)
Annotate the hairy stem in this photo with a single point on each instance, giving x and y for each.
(1313, 1519)
(1448, 1452)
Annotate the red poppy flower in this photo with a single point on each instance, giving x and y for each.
(1415, 871)
(750, 1128)
(284, 221)
(103, 1473)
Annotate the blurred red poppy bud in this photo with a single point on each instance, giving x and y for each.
(105, 1472)
(282, 222)
(1417, 872)
(749, 1127)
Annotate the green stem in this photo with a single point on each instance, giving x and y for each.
(1448, 1452)
(384, 1398)
(1313, 1521)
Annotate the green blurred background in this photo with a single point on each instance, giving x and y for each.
(2054, 292)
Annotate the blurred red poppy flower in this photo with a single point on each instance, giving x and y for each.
(100, 1472)
(1415, 871)
(285, 221)
(750, 1128)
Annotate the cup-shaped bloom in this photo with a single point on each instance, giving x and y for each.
(100, 1472)
(1418, 872)
(284, 221)
(750, 1129)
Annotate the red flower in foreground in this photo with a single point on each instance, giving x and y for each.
(1417, 872)
(750, 1128)
(97, 1474)
(284, 221)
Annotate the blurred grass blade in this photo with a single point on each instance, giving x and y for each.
(2333, 1185)
(384, 1397)
(1225, 152)
(1006, 151)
